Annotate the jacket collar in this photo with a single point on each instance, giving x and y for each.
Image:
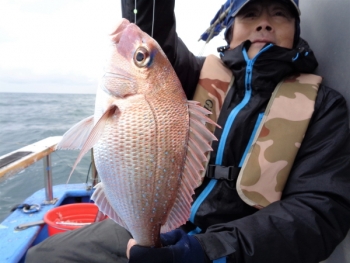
(271, 65)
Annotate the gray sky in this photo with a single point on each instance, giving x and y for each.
(58, 46)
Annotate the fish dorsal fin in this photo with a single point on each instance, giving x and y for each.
(104, 206)
(89, 138)
(199, 144)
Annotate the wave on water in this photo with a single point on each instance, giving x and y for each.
(26, 118)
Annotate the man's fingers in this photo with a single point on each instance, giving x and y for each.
(131, 243)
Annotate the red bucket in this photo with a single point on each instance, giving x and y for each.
(70, 217)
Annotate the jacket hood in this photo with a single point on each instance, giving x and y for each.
(270, 66)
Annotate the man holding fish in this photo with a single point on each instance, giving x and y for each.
(276, 186)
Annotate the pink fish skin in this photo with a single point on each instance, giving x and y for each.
(150, 143)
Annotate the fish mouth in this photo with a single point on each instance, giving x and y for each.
(117, 33)
(126, 32)
(126, 38)
(122, 75)
(112, 90)
(119, 80)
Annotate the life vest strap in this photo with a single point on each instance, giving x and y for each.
(229, 173)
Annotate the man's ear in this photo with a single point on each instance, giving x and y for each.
(229, 34)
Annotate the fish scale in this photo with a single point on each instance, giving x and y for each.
(150, 144)
(152, 149)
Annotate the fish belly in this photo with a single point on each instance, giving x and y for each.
(140, 158)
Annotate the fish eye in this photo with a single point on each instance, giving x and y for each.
(141, 57)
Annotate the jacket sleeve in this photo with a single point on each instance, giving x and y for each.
(186, 65)
(313, 214)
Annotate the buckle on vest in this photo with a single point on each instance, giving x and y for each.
(218, 172)
(223, 48)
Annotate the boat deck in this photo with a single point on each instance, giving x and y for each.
(15, 243)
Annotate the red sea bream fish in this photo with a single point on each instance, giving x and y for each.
(149, 142)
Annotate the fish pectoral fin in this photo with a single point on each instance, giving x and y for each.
(104, 205)
(75, 137)
(94, 135)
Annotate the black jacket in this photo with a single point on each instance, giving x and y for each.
(313, 215)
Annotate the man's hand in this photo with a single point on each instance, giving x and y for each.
(178, 247)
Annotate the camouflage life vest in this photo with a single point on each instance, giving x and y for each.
(266, 167)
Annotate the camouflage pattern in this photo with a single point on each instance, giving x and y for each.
(267, 165)
(277, 141)
(213, 85)
(215, 80)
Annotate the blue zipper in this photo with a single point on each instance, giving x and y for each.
(220, 260)
(227, 128)
(241, 105)
(230, 121)
(257, 124)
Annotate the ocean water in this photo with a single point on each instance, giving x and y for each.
(26, 118)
